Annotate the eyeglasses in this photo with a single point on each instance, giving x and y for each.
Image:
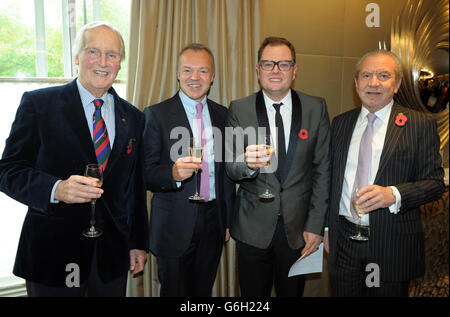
(95, 54)
(270, 65)
(381, 76)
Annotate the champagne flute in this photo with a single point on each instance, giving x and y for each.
(196, 150)
(268, 147)
(93, 170)
(359, 236)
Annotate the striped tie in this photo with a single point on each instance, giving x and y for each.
(100, 136)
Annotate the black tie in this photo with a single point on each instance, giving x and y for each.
(281, 144)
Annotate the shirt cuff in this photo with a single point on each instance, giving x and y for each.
(52, 195)
(395, 207)
(250, 171)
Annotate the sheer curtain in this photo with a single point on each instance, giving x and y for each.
(159, 30)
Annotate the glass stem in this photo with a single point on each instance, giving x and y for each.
(359, 226)
(267, 189)
(196, 184)
(92, 222)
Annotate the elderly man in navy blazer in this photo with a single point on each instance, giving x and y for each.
(51, 142)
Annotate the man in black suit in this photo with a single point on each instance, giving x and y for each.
(187, 236)
(273, 233)
(50, 143)
(403, 172)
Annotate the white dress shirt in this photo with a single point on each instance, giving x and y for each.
(189, 106)
(379, 134)
(87, 101)
(286, 114)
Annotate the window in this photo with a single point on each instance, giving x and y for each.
(36, 37)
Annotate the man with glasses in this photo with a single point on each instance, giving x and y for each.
(385, 161)
(272, 233)
(56, 133)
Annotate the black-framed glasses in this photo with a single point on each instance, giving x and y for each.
(270, 65)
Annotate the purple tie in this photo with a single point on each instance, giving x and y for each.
(364, 158)
(204, 176)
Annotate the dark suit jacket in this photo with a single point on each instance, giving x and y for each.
(410, 161)
(50, 140)
(302, 195)
(173, 216)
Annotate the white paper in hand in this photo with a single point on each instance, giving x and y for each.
(311, 264)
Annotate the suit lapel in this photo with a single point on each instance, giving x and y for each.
(122, 122)
(179, 115)
(344, 133)
(261, 112)
(75, 119)
(390, 142)
(217, 122)
(296, 123)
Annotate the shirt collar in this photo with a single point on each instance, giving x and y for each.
(190, 104)
(382, 114)
(87, 97)
(287, 101)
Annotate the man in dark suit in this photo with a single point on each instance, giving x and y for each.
(273, 233)
(50, 143)
(403, 172)
(187, 236)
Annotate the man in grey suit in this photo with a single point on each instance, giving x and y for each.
(273, 233)
(403, 172)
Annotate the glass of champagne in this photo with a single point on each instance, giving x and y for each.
(359, 236)
(93, 170)
(196, 150)
(268, 147)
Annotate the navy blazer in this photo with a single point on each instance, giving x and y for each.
(50, 140)
(173, 216)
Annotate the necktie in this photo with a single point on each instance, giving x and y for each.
(204, 176)
(100, 136)
(281, 143)
(364, 158)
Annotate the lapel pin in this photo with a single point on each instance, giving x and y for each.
(303, 134)
(400, 119)
(124, 120)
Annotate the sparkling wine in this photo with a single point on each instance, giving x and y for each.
(358, 210)
(269, 150)
(196, 152)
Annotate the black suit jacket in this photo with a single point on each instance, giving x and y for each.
(411, 162)
(50, 140)
(173, 216)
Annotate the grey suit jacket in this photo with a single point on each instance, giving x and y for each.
(410, 161)
(301, 197)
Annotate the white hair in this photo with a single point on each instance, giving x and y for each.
(79, 39)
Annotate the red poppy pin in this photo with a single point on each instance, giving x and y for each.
(303, 134)
(400, 119)
(130, 145)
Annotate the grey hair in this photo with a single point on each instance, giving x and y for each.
(196, 47)
(398, 68)
(80, 38)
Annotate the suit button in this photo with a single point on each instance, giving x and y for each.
(281, 190)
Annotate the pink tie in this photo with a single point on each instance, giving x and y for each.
(364, 158)
(204, 176)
